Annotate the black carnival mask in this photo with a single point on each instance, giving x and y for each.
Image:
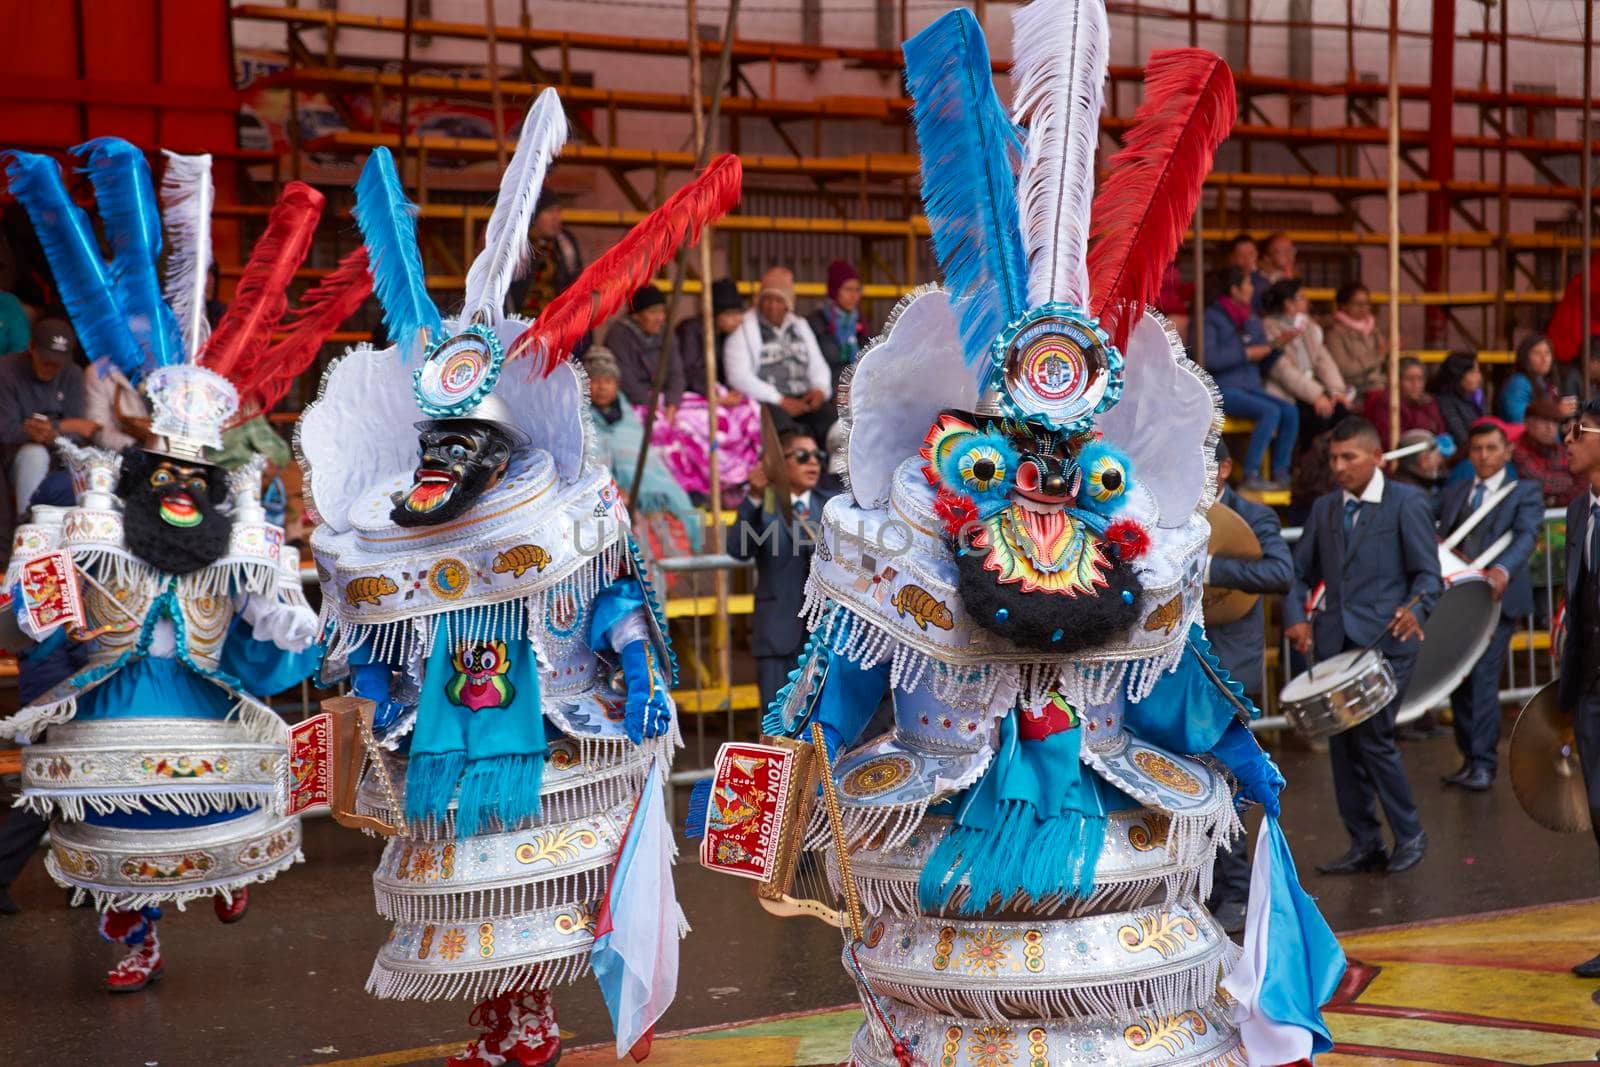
(460, 460)
(170, 516)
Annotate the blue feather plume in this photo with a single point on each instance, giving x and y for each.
(81, 276)
(970, 153)
(126, 200)
(388, 224)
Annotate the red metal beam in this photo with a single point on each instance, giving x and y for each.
(1441, 154)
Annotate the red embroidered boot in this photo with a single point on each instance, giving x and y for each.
(231, 913)
(533, 1038)
(490, 1017)
(141, 967)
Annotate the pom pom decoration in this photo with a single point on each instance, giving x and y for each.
(983, 466)
(1129, 538)
(955, 512)
(1106, 478)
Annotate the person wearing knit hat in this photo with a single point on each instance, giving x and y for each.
(774, 357)
(635, 340)
(840, 327)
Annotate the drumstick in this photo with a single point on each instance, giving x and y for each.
(1376, 641)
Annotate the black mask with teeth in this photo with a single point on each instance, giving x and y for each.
(170, 517)
(461, 459)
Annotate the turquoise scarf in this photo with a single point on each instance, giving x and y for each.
(479, 728)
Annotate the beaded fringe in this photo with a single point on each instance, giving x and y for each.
(1163, 995)
(126, 900)
(387, 984)
(899, 897)
(495, 902)
(195, 801)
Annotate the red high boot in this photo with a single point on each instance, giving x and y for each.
(231, 913)
(489, 1017)
(141, 967)
(519, 1029)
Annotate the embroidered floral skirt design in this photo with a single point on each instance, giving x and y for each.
(478, 916)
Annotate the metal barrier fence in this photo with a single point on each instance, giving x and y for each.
(1530, 642)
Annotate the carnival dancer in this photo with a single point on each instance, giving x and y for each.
(160, 762)
(1372, 546)
(1018, 563)
(487, 596)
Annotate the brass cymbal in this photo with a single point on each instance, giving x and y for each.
(1231, 538)
(1543, 758)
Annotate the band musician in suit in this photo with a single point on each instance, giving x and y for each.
(782, 554)
(1241, 647)
(1580, 663)
(1476, 701)
(1371, 544)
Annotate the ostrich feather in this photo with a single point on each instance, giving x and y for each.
(126, 201)
(505, 240)
(321, 310)
(629, 264)
(970, 151)
(388, 224)
(186, 200)
(1155, 182)
(82, 278)
(241, 340)
(1059, 73)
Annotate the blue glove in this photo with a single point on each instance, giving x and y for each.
(371, 682)
(648, 712)
(1259, 779)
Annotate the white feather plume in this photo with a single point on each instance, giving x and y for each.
(186, 200)
(1059, 72)
(505, 242)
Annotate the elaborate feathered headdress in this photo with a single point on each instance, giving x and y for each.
(1010, 200)
(198, 381)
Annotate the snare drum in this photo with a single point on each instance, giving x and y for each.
(1340, 692)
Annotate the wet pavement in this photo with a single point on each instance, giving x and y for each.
(285, 986)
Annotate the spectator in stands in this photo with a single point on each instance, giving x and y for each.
(1243, 253)
(727, 309)
(15, 326)
(1541, 455)
(1278, 258)
(774, 357)
(1418, 410)
(1538, 377)
(635, 342)
(839, 326)
(1423, 469)
(115, 406)
(1457, 388)
(665, 509)
(1236, 348)
(41, 399)
(1175, 297)
(1355, 342)
(1306, 375)
(554, 261)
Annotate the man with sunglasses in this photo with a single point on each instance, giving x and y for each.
(782, 554)
(1580, 663)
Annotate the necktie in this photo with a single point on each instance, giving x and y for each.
(1477, 498)
(1351, 509)
(801, 511)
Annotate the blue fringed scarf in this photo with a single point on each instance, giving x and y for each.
(1034, 824)
(479, 730)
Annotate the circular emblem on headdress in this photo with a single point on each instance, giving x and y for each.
(1058, 365)
(448, 578)
(459, 373)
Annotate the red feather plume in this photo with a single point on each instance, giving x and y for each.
(609, 281)
(321, 310)
(241, 341)
(1149, 197)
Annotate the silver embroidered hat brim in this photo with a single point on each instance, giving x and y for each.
(1200, 1036)
(124, 868)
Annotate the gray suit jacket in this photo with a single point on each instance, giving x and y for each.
(1390, 556)
(1520, 514)
(1240, 644)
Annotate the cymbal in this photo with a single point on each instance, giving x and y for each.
(1231, 538)
(1545, 774)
